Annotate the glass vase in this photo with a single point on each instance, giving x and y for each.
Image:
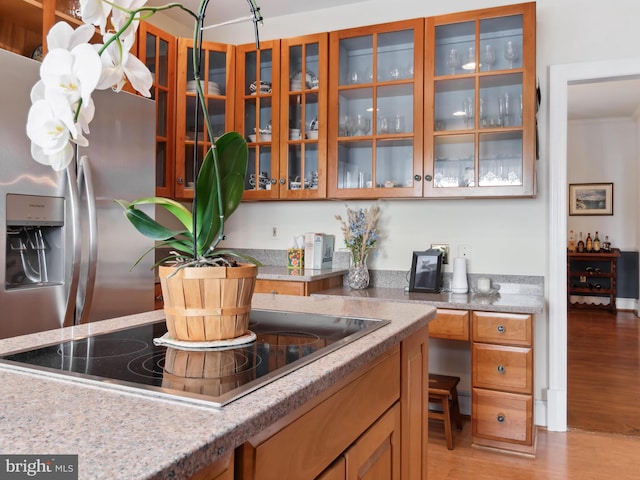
(358, 276)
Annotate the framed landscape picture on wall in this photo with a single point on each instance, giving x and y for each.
(591, 199)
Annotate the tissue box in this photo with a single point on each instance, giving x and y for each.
(295, 258)
(318, 250)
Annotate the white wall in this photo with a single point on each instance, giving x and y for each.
(604, 150)
(506, 236)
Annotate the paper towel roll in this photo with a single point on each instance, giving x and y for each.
(459, 282)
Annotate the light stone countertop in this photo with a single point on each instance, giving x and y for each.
(271, 272)
(123, 433)
(512, 302)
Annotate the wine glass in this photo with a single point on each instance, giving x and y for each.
(489, 56)
(510, 52)
(453, 61)
(363, 124)
(506, 109)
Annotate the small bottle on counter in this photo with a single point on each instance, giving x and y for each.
(596, 243)
(589, 243)
(580, 244)
(572, 242)
(606, 246)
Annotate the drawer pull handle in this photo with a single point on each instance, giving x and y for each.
(501, 369)
(501, 329)
(501, 418)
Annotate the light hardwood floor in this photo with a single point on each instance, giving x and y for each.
(604, 397)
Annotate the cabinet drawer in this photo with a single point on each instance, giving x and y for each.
(280, 287)
(452, 324)
(503, 328)
(501, 416)
(503, 368)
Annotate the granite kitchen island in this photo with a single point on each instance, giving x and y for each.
(120, 432)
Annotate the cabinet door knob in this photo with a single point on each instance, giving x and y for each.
(428, 178)
(282, 181)
(273, 181)
(417, 177)
(501, 418)
(179, 180)
(501, 369)
(501, 329)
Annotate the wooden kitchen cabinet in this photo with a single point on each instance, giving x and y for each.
(370, 425)
(375, 111)
(592, 275)
(218, 83)
(300, 288)
(157, 49)
(480, 103)
(24, 24)
(302, 131)
(502, 381)
(257, 113)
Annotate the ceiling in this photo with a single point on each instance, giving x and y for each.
(219, 11)
(607, 99)
(604, 99)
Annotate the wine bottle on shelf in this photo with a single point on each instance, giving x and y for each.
(580, 244)
(596, 243)
(572, 242)
(589, 243)
(606, 246)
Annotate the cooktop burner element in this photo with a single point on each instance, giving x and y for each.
(284, 342)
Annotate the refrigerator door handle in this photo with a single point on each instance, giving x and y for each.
(74, 216)
(85, 177)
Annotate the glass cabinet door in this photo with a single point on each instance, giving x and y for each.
(157, 49)
(480, 113)
(257, 115)
(191, 132)
(374, 149)
(303, 122)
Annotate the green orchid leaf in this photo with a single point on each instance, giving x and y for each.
(149, 227)
(175, 208)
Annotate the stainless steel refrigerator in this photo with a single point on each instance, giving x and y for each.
(66, 249)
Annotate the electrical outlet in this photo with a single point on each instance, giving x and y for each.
(444, 248)
(464, 251)
(274, 232)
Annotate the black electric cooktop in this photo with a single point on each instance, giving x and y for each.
(285, 341)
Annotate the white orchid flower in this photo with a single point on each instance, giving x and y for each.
(120, 16)
(73, 74)
(118, 65)
(50, 137)
(62, 35)
(95, 12)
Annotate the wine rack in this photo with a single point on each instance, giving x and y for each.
(592, 275)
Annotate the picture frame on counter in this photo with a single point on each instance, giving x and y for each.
(426, 271)
(591, 199)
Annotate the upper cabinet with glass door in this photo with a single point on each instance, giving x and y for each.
(375, 111)
(192, 137)
(480, 103)
(157, 49)
(257, 116)
(303, 117)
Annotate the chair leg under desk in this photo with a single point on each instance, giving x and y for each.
(442, 390)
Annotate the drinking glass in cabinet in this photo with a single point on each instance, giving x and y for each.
(354, 164)
(500, 159)
(454, 104)
(356, 60)
(259, 169)
(501, 43)
(394, 163)
(454, 164)
(452, 47)
(395, 51)
(501, 101)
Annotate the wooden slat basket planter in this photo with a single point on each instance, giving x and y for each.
(208, 303)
